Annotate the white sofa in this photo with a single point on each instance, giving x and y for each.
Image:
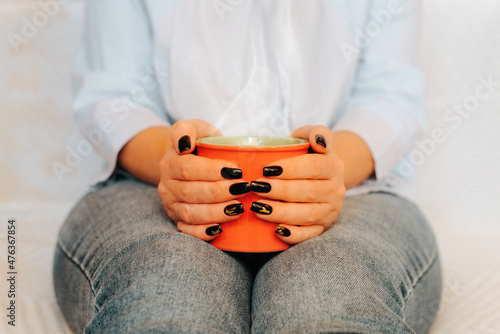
(458, 177)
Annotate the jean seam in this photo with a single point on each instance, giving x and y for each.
(69, 257)
(319, 329)
(422, 274)
(426, 269)
(174, 322)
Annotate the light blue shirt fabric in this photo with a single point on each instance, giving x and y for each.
(254, 68)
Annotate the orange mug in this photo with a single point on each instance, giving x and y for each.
(251, 154)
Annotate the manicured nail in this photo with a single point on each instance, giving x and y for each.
(239, 188)
(214, 230)
(231, 173)
(234, 209)
(261, 208)
(272, 171)
(283, 231)
(184, 143)
(321, 140)
(260, 187)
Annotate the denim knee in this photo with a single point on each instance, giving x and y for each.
(142, 273)
(355, 278)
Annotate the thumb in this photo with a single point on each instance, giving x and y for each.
(320, 137)
(185, 133)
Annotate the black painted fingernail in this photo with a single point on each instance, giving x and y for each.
(214, 230)
(321, 140)
(239, 188)
(184, 143)
(260, 187)
(261, 208)
(234, 209)
(283, 231)
(231, 173)
(272, 171)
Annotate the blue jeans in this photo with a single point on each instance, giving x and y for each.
(121, 266)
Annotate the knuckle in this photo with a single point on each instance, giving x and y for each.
(315, 215)
(282, 191)
(332, 209)
(290, 168)
(171, 213)
(212, 170)
(166, 196)
(183, 213)
(316, 169)
(212, 215)
(281, 215)
(310, 218)
(162, 189)
(183, 172)
(166, 161)
(328, 218)
(213, 191)
(166, 190)
(313, 192)
(182, 193)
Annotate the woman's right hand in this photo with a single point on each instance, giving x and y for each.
(199, 193)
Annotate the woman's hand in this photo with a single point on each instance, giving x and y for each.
(303, 194)
(199, 193)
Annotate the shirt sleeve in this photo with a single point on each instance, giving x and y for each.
(385, 105)
(116, 88)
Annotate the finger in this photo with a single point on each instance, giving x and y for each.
(295, 213)
(306, 166)
(200, 192)
(195, 168)
(202, 214)
(185, 133)
(295, 234)
(319, 136)
(207, 232)
(302, 191)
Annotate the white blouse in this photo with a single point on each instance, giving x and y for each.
(254, 67)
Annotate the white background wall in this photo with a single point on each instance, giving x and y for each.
(459, 182)
(460, 45)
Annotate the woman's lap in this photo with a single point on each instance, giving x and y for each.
(376, 268)
(143, 273)
(122, 265)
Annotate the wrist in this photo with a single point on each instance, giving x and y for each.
(142, 154)
(356, 155)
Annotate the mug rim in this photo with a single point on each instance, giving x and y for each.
(293, 143)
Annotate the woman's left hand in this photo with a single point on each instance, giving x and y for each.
(303, 194)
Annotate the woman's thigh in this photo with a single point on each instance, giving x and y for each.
(376, 270)
(122, 266)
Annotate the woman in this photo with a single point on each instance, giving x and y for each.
(133, 256)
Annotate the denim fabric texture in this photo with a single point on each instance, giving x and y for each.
(121, 266)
